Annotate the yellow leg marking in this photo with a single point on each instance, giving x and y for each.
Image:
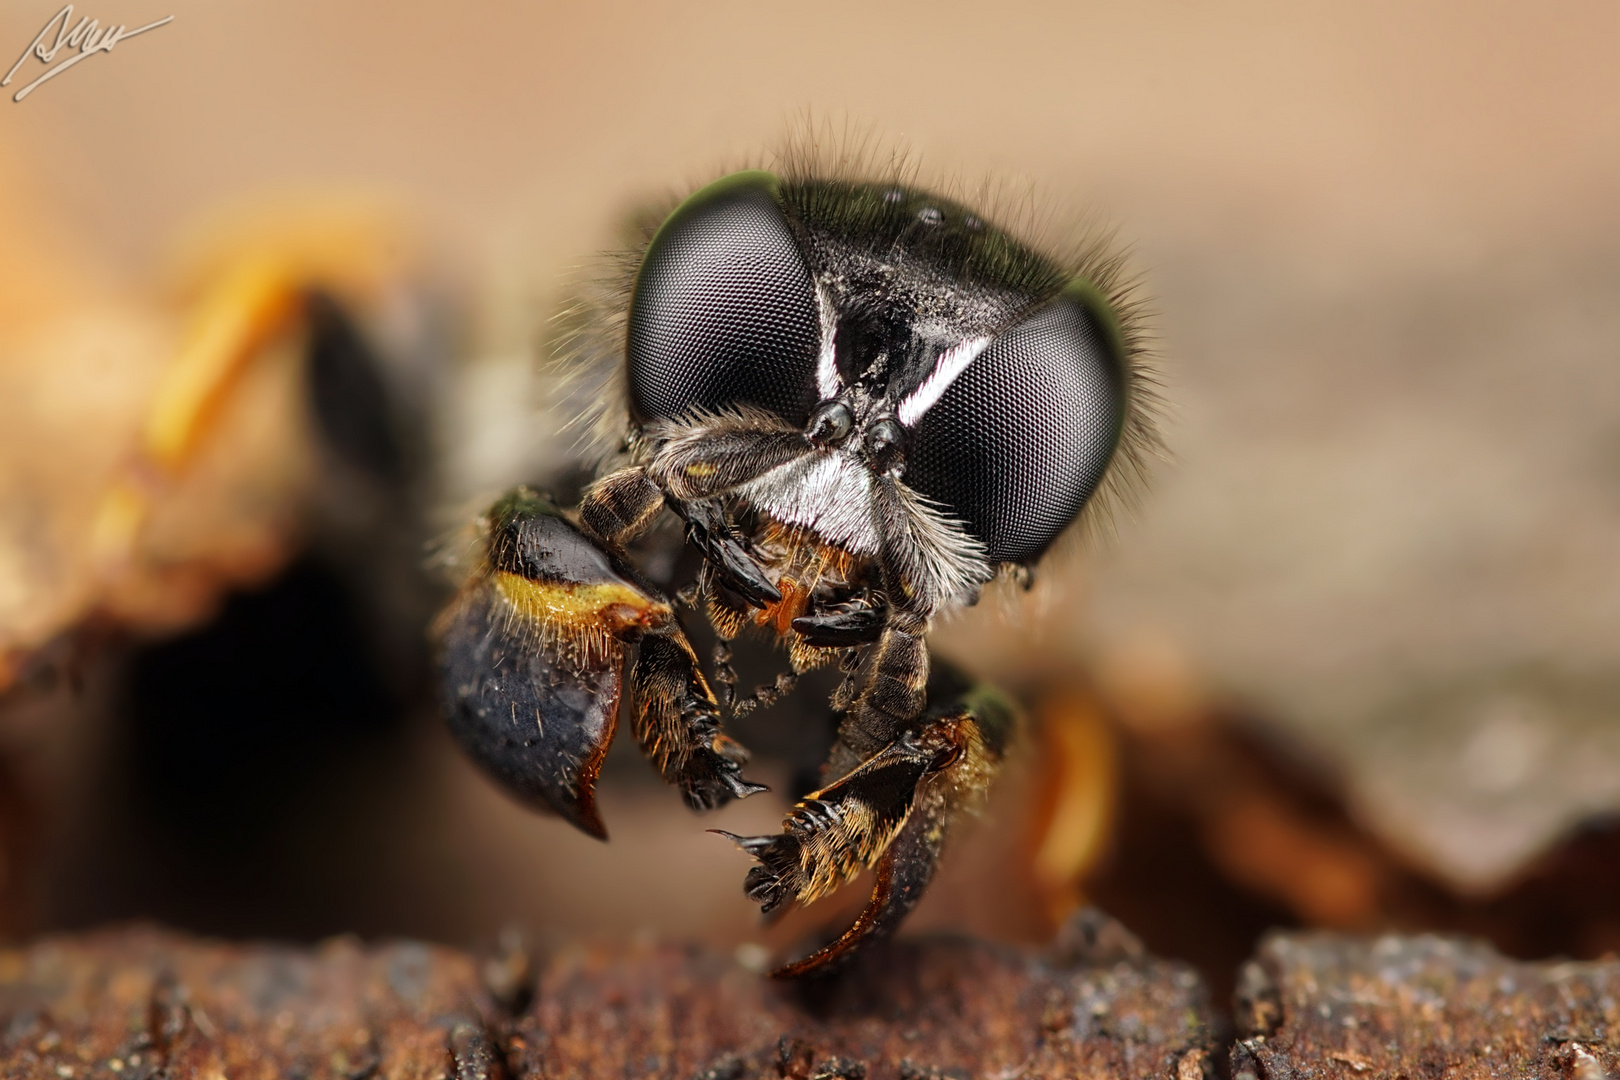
(582, 622)
(618, 606)
(252, 306)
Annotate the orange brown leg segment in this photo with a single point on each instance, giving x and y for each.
(892, 812)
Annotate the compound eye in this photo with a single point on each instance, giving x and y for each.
(724, 310)
(1019, 441)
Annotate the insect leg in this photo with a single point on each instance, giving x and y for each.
(713, 456)
(531, 656)
(620, 506)
(727, 613)
(769, 694)
(886, 694)
(678, 724)
(892, 811)
(697, 464)
(724, 673)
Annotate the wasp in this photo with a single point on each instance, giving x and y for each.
(862, 402)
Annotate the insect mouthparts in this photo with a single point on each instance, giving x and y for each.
(860, 401)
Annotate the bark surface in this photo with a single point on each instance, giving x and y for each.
(138, 1003)
(1335, 1005)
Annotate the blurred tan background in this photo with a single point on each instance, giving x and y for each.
(1382, 242)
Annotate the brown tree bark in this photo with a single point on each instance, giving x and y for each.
(139, 1003)
(1337, 1005)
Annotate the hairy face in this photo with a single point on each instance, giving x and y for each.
(904, 335)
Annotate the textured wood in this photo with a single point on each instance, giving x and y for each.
(141, 1003)
(1330, 1005)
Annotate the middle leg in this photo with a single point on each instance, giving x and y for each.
(892, 811)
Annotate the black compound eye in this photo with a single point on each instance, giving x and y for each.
(1021, 438)
(724, 310)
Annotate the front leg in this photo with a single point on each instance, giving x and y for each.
(532, 657)
(678, 724)
(882, 699)
(622, 505)
(923, 566)
(892, 811)
(733, 563)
